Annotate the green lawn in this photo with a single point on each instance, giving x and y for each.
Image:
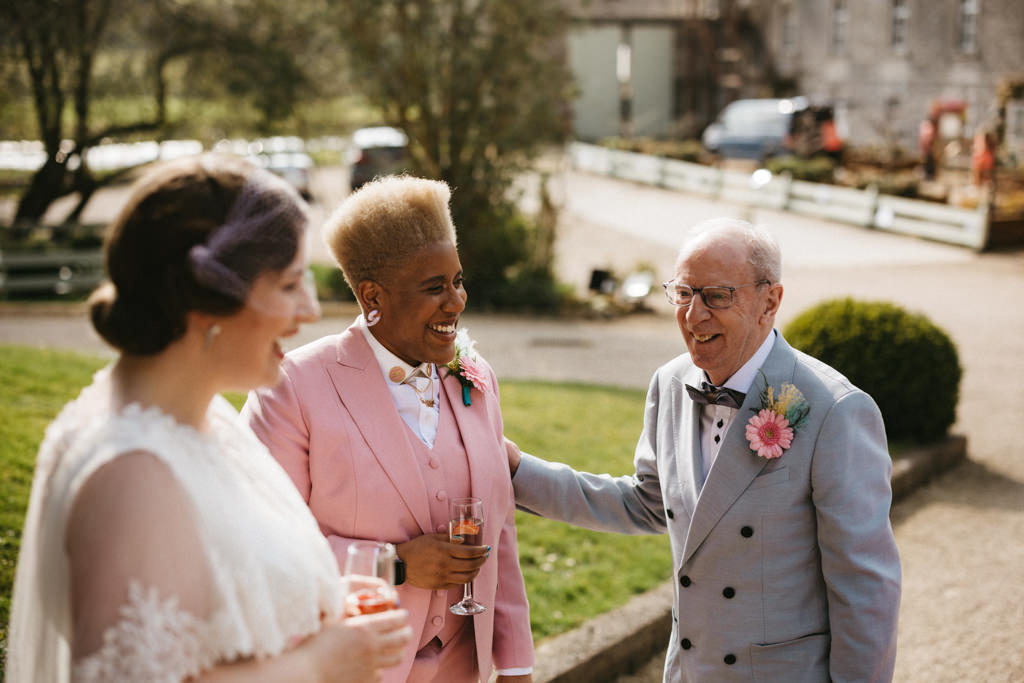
(571, 574)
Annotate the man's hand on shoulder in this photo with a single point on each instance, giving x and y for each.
(514, 455)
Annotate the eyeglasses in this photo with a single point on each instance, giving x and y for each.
(717, 297)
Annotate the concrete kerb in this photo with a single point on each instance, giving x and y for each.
(620, 641)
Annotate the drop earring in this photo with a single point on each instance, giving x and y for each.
(372, 318)
(211, 334)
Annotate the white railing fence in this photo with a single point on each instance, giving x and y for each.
(868, 208)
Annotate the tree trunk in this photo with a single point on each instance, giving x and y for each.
(47, 185)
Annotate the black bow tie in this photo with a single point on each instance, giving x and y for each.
(710, 394)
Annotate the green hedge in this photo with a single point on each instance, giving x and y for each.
(817, 169)
(330, 283)
(907, 364)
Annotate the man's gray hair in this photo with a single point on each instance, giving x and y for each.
(765, 254)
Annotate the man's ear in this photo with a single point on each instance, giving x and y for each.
(772, 302)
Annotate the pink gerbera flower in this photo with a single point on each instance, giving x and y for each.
(475, 373)
(769, 434)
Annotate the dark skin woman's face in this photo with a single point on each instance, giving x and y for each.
(420, 305)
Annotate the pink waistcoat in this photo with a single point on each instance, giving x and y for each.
(445, 470)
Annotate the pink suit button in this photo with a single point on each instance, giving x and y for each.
(437, 621)
(441, 495)
(442, 528)
(434, 462)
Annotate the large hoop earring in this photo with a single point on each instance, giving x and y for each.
(372, 318)
(211, 334)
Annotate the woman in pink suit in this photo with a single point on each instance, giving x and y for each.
(379, 435)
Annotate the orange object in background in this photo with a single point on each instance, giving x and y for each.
(983, 158)
(830, 140)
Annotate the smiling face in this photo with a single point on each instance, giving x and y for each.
(419, 305)
(720, 341)
(248, 347)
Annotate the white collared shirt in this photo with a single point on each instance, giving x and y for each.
(421, 418)
(715, 419)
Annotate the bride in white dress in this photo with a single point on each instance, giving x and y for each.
(162, 541)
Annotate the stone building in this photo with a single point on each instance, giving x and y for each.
(666, 67)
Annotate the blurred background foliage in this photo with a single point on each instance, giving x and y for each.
(479, 86)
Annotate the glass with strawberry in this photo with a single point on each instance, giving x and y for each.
(466, 526)
(370, 573)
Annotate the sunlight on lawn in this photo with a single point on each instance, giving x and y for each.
(571, 574)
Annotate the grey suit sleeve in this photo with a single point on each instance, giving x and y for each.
(859, 560)
(625, 504)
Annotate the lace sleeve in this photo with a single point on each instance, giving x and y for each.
(140, 577)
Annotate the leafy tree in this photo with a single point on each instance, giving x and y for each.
(249, 47)
(480, 87)
(58, 42)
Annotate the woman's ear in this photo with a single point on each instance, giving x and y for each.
(369, 294)
(194, 320)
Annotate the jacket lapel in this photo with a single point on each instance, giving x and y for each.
(736, 465)
(688, 433)
(365, 395)
(474, 430)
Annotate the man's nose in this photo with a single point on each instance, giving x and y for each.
(697, 310)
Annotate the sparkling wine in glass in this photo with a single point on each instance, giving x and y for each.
(370, 572)
(466, 526)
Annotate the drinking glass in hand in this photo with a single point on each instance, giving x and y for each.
(370, 572)
(466, 526)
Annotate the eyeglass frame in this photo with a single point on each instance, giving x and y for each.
(700, 291)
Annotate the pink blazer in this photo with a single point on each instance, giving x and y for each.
(332, 424)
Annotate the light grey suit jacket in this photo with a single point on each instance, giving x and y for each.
(786, 569)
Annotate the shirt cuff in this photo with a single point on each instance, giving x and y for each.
(521, 671)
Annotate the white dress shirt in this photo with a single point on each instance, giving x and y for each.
(715, 419)
(409, 392)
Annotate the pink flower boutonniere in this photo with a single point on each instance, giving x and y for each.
(770, 432)
(466, 366)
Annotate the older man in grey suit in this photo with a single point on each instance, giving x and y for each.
(771, 474)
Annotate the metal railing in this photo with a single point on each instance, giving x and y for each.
(59, 272)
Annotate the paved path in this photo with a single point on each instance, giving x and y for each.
(961, 539)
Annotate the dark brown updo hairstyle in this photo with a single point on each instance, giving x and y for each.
(173, 207)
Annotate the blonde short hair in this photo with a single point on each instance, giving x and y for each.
(378, 228)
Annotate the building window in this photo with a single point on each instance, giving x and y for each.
(840, 26)
(708, 9)
(968, 39)
(789, 28)
(900, 24)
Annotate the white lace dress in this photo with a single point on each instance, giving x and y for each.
(263, 572)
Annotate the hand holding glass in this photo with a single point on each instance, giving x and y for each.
(466, 526)
(370, 572)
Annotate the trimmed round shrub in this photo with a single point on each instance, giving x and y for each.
(906, 363)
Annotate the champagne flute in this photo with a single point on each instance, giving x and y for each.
(466, 525)
(370, 572)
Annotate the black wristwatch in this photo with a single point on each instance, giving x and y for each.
(399, 571)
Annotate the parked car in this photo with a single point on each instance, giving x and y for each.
(753, 129)
(377, 151)
(295, 167)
